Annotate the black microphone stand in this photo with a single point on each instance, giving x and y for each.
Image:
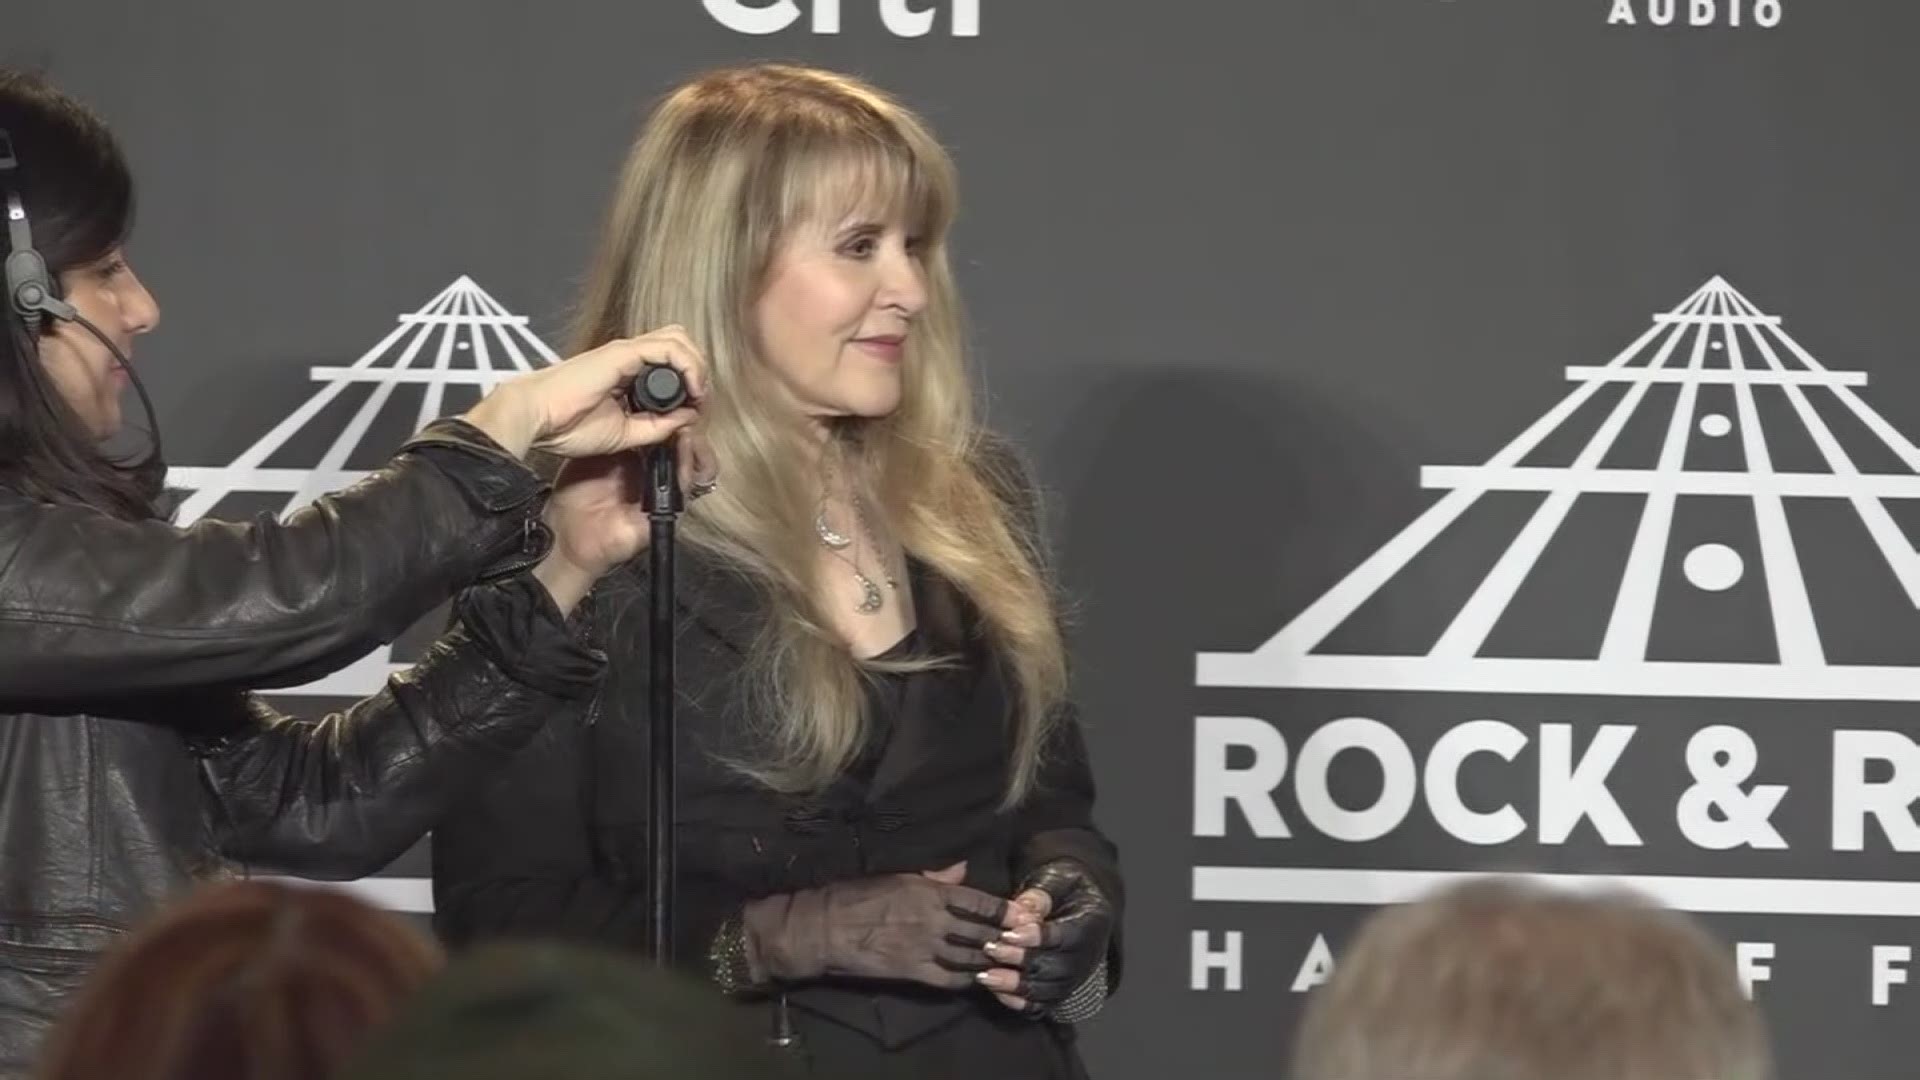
(660, 389)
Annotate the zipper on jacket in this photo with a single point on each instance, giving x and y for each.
(530, 527)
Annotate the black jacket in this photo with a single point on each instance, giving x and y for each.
(133, 761)
(555, 845)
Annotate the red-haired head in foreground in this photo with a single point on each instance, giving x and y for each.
(245, 980)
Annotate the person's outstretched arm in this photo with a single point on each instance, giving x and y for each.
(92, 606)
(343, 795)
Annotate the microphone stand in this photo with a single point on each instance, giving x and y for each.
(664, 503)
(660, 389)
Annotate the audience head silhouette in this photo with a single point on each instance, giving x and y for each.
(516, 1010)
(245, 980)
(1507, 980)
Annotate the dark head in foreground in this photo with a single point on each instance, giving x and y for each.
(562, 1012)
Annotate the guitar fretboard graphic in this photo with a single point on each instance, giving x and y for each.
(1749, 352)
(473, 342)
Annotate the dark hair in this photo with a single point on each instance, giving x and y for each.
(509, 1010)
(76, 188)
(245, 980)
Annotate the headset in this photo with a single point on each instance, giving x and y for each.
(31, 291)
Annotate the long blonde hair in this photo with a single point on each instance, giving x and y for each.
(725, 167)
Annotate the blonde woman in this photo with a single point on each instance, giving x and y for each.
(886, 839)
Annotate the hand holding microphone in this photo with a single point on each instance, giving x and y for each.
(580, 406)
(597, 512)
(660, 388)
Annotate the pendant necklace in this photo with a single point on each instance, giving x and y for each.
(871, 598)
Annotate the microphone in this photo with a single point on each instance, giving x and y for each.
(660, 388)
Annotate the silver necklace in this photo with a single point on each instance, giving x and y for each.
(871, 598)
(828, 537)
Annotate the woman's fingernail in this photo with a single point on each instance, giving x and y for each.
(983, 977)
(1010, 935)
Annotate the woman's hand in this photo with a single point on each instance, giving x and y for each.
(926, 928)
(598, 516)
(577, 408)
(1043, 961)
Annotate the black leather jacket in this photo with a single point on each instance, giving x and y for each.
(133, 760)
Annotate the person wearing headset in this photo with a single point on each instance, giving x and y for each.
(134, 760)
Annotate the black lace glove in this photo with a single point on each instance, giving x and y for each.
(915, 927)
(1069, 950)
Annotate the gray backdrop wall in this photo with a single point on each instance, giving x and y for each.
(1534, 376)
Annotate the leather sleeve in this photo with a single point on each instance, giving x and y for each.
(93, 605)
(346, 794)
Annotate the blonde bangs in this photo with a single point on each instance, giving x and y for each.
(837, 178)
